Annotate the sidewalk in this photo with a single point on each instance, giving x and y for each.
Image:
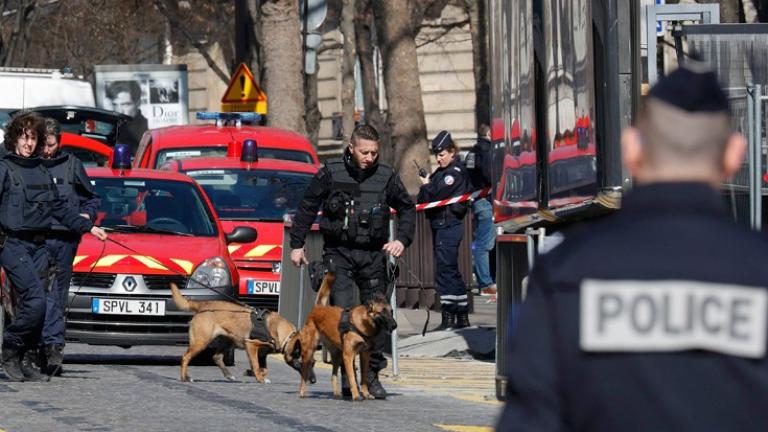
(459, 363)
(476, 342)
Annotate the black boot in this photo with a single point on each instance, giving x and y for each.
(30, 367)
(449, 321)
(462, 320)
(12, 363)
(53, 359)
(374, 386)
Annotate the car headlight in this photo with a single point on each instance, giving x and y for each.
(211, 273)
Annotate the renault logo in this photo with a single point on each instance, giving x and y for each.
(129, 283)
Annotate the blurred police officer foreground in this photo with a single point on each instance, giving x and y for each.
(653, 318)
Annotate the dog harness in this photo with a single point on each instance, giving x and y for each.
(259, 330)
(346, 326)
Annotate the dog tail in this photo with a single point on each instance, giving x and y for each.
(181, 301)
(324, 293)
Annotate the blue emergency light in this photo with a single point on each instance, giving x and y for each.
(229, 118)
(249, 151)
(121, 157)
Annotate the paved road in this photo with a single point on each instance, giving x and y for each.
(110, 389)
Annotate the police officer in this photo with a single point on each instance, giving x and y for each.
(29, 202)
(356, 193)
(449, 180)
(75, 188)
(655, 317)
(479, 161)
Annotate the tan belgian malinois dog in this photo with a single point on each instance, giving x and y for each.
(364, 322)
(233, 321)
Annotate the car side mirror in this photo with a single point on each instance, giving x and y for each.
(242, 234)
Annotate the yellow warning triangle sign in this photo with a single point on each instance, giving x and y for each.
(243, 89)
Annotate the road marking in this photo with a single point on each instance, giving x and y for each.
(472, 397)
(462, 428)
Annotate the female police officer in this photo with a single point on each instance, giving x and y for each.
(29, 202)
(450, 179)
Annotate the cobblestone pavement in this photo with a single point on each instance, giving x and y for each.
(111, 389)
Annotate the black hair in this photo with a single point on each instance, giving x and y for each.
(24, 121)
(131, 87)
(364, 131)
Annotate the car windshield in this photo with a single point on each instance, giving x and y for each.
(153, 206)
(240, 194)
(164, 156)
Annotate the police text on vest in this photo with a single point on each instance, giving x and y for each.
(672, 315)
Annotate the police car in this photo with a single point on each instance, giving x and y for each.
(254, 192)
(163, 229)
(222, 139)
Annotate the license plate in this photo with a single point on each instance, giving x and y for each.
(127, 307)
(263, 287)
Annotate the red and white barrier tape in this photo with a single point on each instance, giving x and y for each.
(457, 199)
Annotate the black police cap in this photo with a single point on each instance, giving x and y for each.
(692, 87)
(441, 142)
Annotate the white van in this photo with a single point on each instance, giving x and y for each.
(29, 88)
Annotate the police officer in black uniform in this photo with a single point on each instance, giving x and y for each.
(449, 180)
(653, 318)
(29, 202)
(75, 188)
(356, 193)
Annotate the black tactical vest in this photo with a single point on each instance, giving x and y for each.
(63, 174)
(355, 213)
(27, 206)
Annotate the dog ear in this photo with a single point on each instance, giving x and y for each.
(379, 297)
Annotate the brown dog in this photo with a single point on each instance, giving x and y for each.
(364, 322)
(232, 321)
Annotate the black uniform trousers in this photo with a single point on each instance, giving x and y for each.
(62, 247)
(24, 262)
(359, 275)
(446, 236)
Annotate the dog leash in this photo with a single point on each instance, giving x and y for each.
(418, 283)
(230, 297)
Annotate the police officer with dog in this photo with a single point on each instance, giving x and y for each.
(449, 180)
(76, 189)
(356, 193)
(29, 206)
(653, 318)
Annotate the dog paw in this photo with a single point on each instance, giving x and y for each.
(267, 381)
(338, 397)
(187, 379)
(369, 396)
(231, 378)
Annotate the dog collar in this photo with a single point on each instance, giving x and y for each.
(288, 339)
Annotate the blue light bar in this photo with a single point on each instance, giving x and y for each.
(121, 157)
(245, 117)
(250, 151)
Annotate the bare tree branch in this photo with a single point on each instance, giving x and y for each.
(201, 48)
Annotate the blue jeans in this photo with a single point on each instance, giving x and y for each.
(483, 241)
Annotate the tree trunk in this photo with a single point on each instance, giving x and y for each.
(476, 9)
(348, 68)
(311, 109)
(283, 64)
(18, 32)
(366, 53)
(246, 40)
(401, 79)
(729, 11)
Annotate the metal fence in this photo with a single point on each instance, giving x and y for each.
(418, 266)
(739, 54)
